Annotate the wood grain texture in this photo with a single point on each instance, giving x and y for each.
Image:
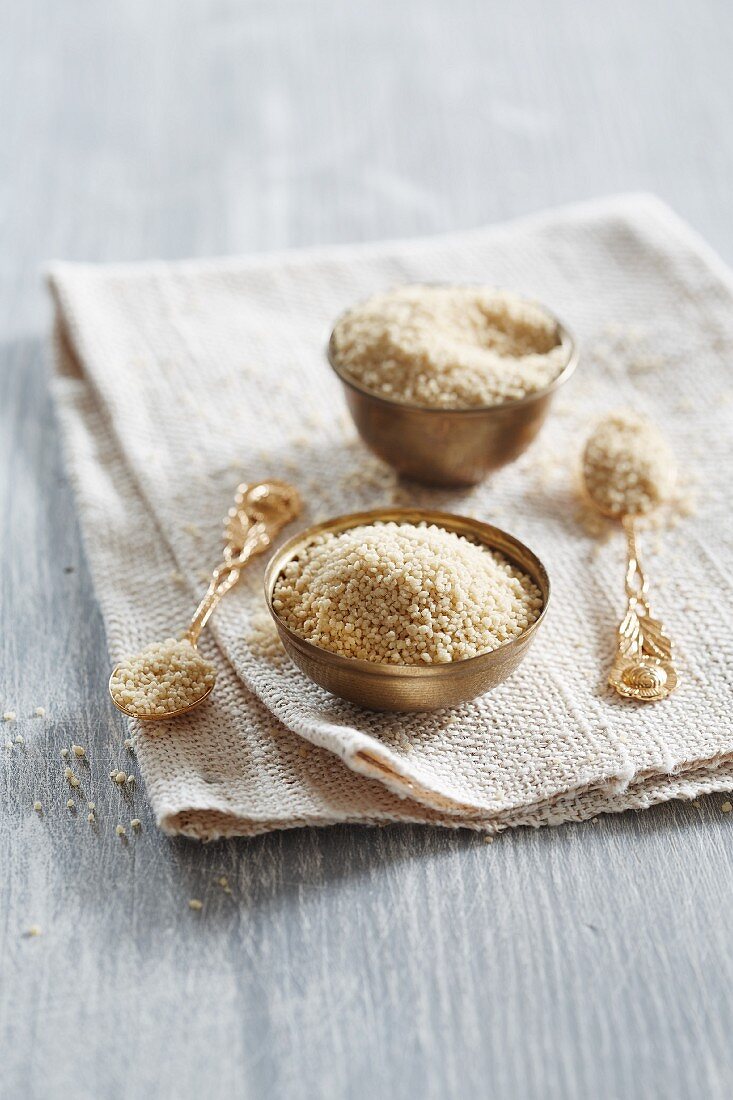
(590, 961)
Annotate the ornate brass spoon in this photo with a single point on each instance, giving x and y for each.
(171, 678)
(628, 470)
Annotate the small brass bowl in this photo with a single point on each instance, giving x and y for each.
(450, 447)
(409, 687)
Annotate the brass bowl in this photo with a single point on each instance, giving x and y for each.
(409, 687)
(450, 447)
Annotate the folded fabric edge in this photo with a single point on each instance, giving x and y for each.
(375, 766)
(55, 270)
(710, 778)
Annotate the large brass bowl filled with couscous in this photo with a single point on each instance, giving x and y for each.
(409, 687)
(460, 442)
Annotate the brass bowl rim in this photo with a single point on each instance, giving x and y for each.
(567, 340)
(485, 533)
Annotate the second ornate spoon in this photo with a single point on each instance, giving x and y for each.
(170, 678)
(628, 471)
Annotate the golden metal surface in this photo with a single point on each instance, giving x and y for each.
(450, 447)
(407, 687)
(251, 524)
(643, 668)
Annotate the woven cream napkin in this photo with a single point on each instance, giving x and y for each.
(176, 381)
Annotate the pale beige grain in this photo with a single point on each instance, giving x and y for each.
(628, 468)
(404, 594)
(449, 346)
(163, 678)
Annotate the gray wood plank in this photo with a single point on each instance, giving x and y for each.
(582, 961)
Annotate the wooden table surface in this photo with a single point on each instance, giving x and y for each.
(582, 961)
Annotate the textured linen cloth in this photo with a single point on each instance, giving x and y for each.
(177, 381)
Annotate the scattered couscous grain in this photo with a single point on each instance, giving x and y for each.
(91, 806)
(128, 744)
(130, 780)
(135, 823)
(90, 818)
(120, 778)
(727, 807)
(19, 740)
(194, 903)
(73, 782)
(162, 679)
(40, 712)
(70, 804)
(34, 930)
(9, 716)
(37, 806)
(628, 468)
(68, 773)
(449, 346)
(120, 830)
(65, 754)
(78, 751)
(404, 594)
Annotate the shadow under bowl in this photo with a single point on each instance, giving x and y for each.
(409, 687)
(450, 447)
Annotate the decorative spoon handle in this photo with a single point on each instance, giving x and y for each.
(225, 576)
(258, 513)
(643, 667)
